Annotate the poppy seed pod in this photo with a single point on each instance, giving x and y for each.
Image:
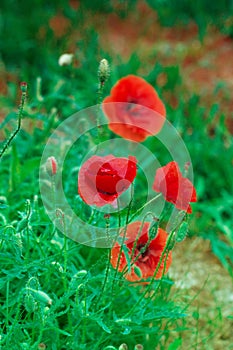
(103, 71)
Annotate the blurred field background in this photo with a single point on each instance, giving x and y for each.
(185, 50)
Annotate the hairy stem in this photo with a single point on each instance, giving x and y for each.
(13, 135)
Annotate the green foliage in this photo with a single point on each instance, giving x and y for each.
(202, 12)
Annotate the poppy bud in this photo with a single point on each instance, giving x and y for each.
(40, 296)
(65, 59)
(3, 200)
(171, 243)
(153, 230)
(51, 166)
(103, 71)
(187, 165)
(81, 274)
(138, 271)
(182, 232)
(29, 303)
(46, 310)
(123, 321)
(60, 268)
(139, 347)
(24, 87)
(123, 347)
(22, 224)
(18, 244)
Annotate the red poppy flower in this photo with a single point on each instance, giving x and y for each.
(174, 187)
(102, 179)
(148, 260)
(130, 119)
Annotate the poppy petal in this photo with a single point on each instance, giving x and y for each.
(175, 188)
(102, 179)
(130, 119)
(147, 262)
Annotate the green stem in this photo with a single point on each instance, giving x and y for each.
(15, 321)
(7, 304)
(64, 275)
(124, 234)
(153, 277)
(85, 317)
(13, 135)
(147, 203)
(160, 280)
(105, 279)
(64, 250)
(100, 93)
(108, 264)
(135, 245)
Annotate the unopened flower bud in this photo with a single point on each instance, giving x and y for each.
(81, 274)
(46, 310)
(65, 59)
(40, 296)
(139, 347)
(187, 165)
(29, 302)
(22, 224)
(182, 232)
(186, 168)
(23, 86)
(60, 268)
(41, 346)
(123, 347)
(103, 71)
(3, 200)
(123, 321)
(171, 243)
(137, 271)
(51, 166)
(59, 213)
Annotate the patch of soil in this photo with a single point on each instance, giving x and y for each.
(198, 274)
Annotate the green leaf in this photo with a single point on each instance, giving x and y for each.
(29, 166)
(176, 344)
(103, 325)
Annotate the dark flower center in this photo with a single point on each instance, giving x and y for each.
(143, 252)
